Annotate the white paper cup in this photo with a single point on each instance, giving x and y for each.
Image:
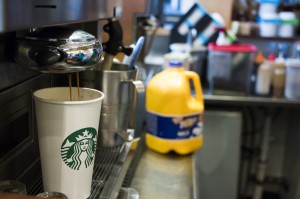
(67, 132)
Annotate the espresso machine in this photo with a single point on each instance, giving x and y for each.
(25, 67)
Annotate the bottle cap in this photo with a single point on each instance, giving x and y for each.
(259, 57)
(175, 63)
(271, 57)
(280, 58)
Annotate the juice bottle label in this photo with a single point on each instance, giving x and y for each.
(175, 127)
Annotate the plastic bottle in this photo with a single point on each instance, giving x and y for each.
(225, 37)
(271, 57)
(259, 59)
(222, 40)
(174, 115)
(278, 79)
(264, 78)
(297, 50)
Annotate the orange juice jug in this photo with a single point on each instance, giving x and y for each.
(174, 116)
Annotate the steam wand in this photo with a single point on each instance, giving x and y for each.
(114, 44)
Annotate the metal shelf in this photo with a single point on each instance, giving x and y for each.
(249, 100)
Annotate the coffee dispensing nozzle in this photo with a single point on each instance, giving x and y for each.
(58, 50)
(114, 45)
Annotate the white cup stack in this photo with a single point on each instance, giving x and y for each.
(288, 23)
(272, 23)
(268, 18)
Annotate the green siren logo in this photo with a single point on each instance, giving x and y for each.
(78, 149)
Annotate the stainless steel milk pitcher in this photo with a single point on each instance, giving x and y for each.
(118, 112)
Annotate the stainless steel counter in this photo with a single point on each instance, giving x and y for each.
(161, 176)
(171, 176)
(201, 174)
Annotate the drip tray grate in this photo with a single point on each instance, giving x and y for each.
(107, 159)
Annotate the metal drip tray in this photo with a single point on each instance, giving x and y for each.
(107, 170)
(108, 175)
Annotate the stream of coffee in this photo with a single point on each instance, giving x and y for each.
(78, 89)
(70, 85)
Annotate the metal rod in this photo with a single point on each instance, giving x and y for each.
(262, 164)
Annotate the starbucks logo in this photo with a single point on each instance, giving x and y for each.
(78, 149)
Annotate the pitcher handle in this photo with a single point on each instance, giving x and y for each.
(140, 91)
(197, 84)
(129, 135)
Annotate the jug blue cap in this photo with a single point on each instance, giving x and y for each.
(175, 63)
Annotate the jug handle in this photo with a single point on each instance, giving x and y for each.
(197, 84)
(140, 89)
